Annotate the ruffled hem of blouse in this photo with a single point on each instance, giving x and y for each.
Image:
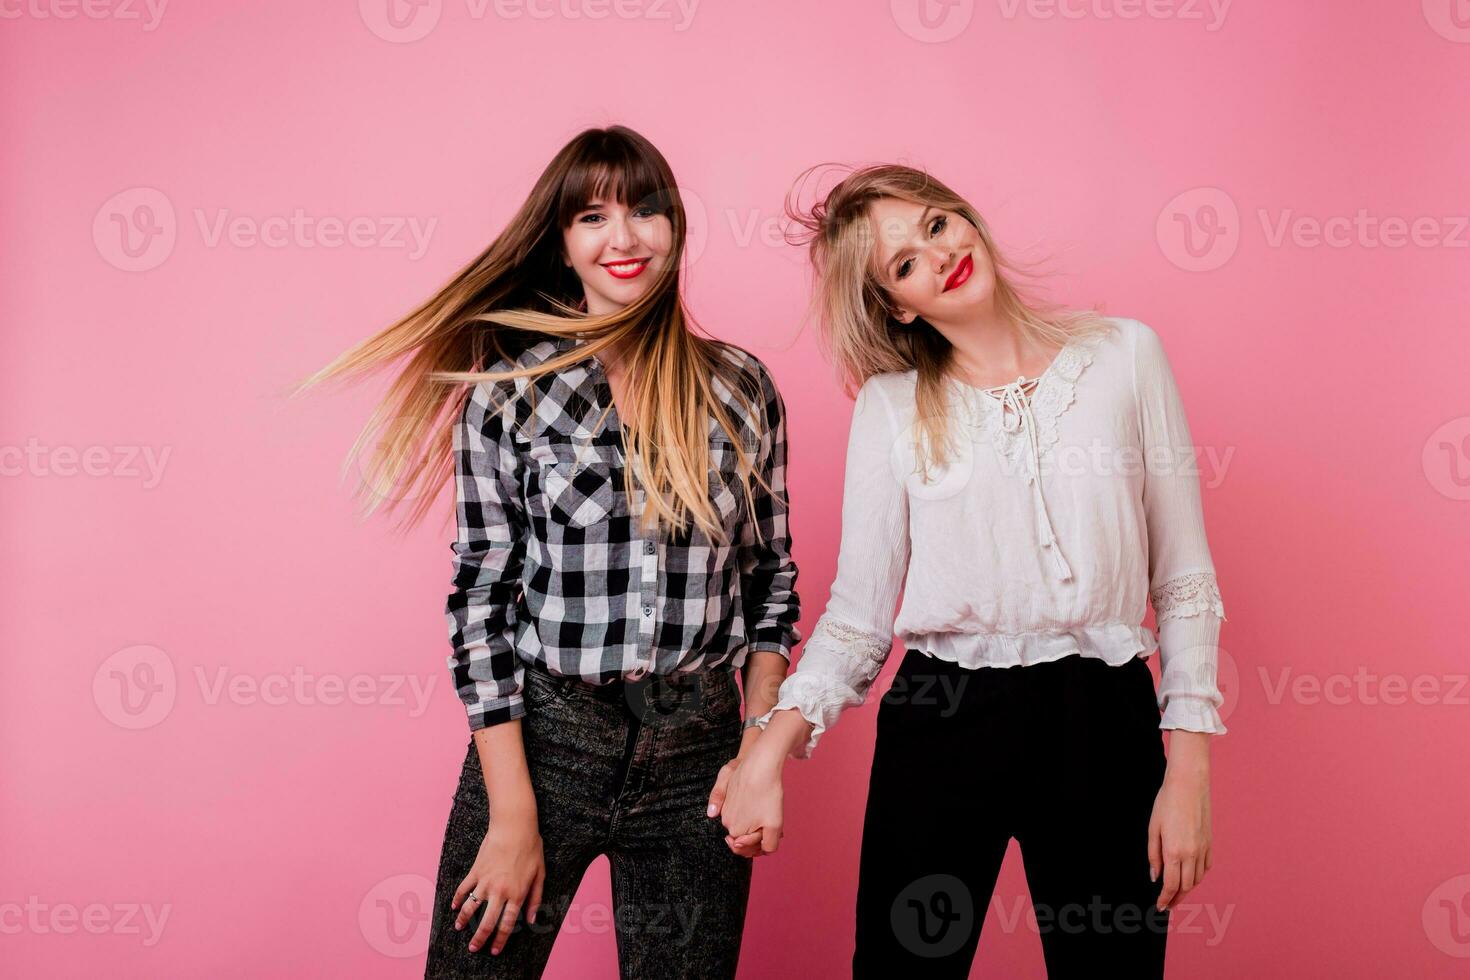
(1116, 643)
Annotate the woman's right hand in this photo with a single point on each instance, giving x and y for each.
(509, 868)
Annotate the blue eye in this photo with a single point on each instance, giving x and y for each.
(939, 225)
(903, 268)
(645, 212)
(590, 218)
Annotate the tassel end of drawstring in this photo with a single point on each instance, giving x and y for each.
(1058, 563)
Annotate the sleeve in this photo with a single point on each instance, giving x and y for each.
(489, 549)
(767, 574)
(1182, 585)
(854, 635)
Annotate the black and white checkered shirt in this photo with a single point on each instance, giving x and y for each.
(550, 566)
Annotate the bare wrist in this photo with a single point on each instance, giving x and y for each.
(1189, 755)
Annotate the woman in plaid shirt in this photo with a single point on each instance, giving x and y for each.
(622, 548)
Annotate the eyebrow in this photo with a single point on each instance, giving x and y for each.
(899, 254)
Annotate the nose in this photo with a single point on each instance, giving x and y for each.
(621, 235)
(942, 256)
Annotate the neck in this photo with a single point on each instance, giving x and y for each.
(985, 343)
(611, 359)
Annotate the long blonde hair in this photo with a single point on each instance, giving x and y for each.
(854, 311)
(519, 292)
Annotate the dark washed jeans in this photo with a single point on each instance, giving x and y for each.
(1066, 757)
(623, 770)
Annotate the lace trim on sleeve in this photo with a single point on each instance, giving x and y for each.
(872, 650)
(1187, 595)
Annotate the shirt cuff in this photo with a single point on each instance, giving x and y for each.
(819, 698)
(770, 646)
(1189, 713)
(484, 714)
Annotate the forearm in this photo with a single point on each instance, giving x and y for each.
(1189, 755)
(786, 730)
(761, 678)
(503, 763)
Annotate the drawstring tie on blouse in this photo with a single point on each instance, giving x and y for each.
(1013, 396)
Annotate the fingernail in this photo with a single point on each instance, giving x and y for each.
(711, 811)
(1152, 875)
(473, 947)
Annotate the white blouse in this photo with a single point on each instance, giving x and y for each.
(1063, 509)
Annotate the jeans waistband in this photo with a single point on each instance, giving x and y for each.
(620, 688)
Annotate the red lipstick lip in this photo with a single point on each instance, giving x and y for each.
(642, 264)
(960, 274)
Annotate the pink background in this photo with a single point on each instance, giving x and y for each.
(288, 832)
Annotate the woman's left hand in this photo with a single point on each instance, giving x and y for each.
(1179, 833)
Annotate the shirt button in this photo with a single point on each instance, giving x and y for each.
(648, 610)
(648, 548)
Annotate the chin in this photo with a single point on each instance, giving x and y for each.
(981, 288)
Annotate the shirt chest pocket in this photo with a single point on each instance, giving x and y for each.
(575, 483)
(725, 484)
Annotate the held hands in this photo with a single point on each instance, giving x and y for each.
(748, 796)
(510, 866)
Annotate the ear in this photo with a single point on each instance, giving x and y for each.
(906, 317)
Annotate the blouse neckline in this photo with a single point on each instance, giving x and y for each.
(1023, 426)
(999, 391)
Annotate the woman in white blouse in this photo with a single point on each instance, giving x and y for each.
(1025, 477)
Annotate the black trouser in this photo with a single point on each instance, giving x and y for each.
(623, 770)
(1066, 757)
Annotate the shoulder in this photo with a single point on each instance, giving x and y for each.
(748, 364)
(1137, 337)
(758, 384)
(504, 397)
(885, 397)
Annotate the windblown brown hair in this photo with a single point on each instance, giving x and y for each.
(517, 292)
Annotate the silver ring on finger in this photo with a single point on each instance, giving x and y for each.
(472, 897)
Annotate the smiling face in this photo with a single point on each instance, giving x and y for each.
(930, 262)
(616, 251)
